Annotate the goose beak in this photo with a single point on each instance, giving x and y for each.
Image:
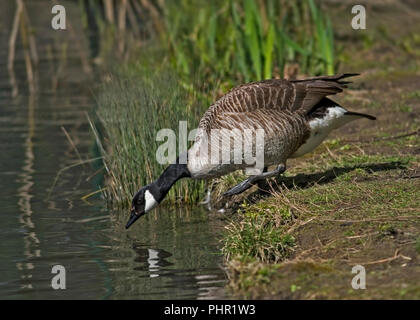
(133, 217)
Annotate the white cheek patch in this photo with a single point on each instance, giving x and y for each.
(150, 201)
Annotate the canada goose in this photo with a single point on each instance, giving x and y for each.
(295, 115)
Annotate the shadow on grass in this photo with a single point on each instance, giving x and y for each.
(302, 181)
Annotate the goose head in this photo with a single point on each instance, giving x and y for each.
(143, 201)
(151, 195)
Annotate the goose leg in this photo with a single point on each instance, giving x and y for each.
(248, 183)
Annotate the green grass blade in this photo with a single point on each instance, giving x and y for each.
(268, 52)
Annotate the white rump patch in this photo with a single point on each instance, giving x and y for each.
(331, 120)
(321, 127)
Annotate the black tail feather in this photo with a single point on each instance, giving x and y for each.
(358, 114)
(321, 108)
(335, 78)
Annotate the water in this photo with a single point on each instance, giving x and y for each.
(169, 254)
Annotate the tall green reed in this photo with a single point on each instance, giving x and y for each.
(133, 106)
(247, 40)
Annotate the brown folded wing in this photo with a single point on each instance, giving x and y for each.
(298, 96)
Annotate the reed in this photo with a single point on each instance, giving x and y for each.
(248, 40)
(133, 106)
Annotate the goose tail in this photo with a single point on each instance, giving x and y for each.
(361, 115)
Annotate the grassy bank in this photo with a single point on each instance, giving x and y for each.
(354, 201)
(303, 239)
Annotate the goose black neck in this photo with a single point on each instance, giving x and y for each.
(167, 179)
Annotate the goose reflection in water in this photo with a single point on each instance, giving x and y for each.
(153, 263)
(151, 260)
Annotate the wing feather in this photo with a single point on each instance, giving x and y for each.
(277, 94)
